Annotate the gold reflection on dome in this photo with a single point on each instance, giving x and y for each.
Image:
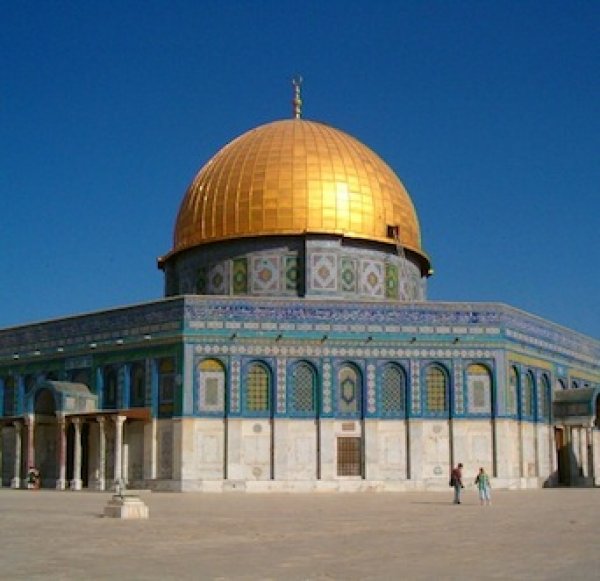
(294, 177)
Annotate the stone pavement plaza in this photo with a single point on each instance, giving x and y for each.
(534, 534)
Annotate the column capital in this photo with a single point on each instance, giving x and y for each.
(101, 420)
(119, 419)
(76, 421)
(18, 426)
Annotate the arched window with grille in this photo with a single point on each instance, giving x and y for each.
(436, 386)
(393, 391)
(479, 386)
(9, 396)
(511, 391)
(545, 397)
(349, 391)
(560, 385)
(137, 384)
(258, 389)
(303, 401)
(110, 388)
(210, 381)
(528, 395)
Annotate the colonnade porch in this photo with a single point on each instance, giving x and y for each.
(61, 448)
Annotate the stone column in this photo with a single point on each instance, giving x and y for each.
(589, 452)
(119, 421)
(30, 441)
(76, 482)
(583, 452)
(61, 449)
(1, 454)
(101, 454)
(16, 480)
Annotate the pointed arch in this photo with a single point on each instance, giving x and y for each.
(303, 396)
(437, 392)
(393, 391)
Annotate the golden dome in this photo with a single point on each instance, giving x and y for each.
(296, 177)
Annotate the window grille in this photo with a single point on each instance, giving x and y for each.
(436, 390)
(393, 385)
(349, 457)
(528, 395)
(257, 389)
(511, 392)
(303, 389)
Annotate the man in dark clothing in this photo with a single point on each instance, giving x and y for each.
(456, 480)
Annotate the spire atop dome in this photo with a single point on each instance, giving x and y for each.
(297, 100)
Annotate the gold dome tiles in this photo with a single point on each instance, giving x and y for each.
(294, 177)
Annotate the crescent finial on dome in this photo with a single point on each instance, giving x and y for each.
(297, 100)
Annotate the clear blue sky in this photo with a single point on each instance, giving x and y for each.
(488, 112)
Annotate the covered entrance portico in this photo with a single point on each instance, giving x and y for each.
(71, 443)
(577, 436)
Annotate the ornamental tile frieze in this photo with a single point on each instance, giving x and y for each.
(318, 351)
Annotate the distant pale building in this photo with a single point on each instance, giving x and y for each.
(296, 350)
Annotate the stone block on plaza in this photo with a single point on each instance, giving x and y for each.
(127, 506)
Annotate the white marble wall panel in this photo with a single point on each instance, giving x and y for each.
(295, 450)
(430, 450)
(545, 447)
(203, 449)
(328, 449)
(168, 451)
(473, 446)
(255, 449)
(529, 438)
(385, 443)
(134, 438)
(508, 449)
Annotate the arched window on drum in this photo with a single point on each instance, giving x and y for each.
(210, 379)
(303, 394)
(393, 391)
(258, 389)
(512, 388)
(349, 391)
(436, 385)
(479, 386)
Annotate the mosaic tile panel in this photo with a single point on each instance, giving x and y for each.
(415, 382)
(323, 271)
(391, 280)
(217, 279)
(202, 280)
(371, 278)
(459, 399)
(281, 381)
(234, 399)
(348, 275)
(292, 273)
(327, 398)
(240, 276)
(265, 274)
(371, 392)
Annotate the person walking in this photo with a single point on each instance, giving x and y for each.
(482, 481)
(456, 482)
